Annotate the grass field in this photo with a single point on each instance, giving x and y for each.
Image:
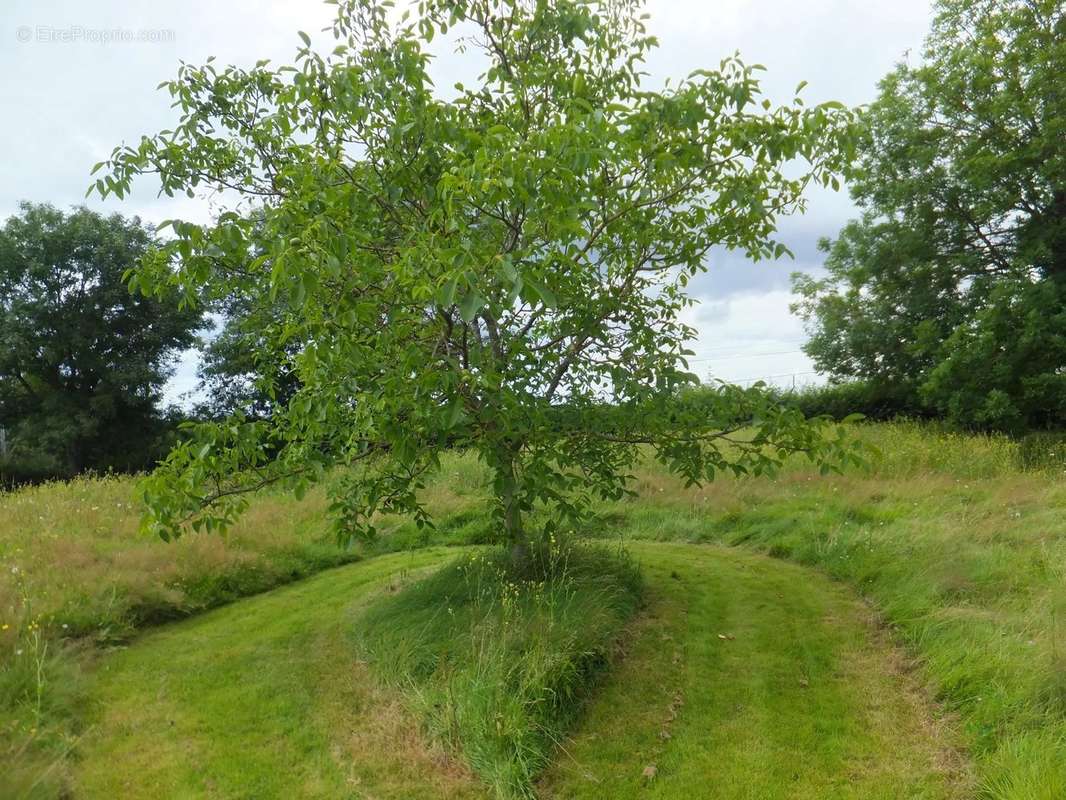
(804, 699)
(963, 555)
(753, 678)
(960, 553)
(262, 699)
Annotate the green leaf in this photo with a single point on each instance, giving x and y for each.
(471, 304)
(540, 293)
(455, 413)
(446, 295)
(507, 268)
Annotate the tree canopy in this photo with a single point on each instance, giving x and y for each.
(82, 361)
(950, 290)
(500, 267)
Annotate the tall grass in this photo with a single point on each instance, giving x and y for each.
(962, 551)
(76, 574)
(498, 657)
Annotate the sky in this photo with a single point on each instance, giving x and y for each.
(80, 78)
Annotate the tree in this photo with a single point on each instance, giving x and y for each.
(235, 375)
(951, 288)
(500, 271)
(82, 361)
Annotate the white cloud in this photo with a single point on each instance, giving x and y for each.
(747, 337)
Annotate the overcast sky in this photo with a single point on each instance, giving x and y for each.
(80, 77)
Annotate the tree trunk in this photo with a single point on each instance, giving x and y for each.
(510, 502)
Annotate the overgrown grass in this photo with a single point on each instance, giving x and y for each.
(498, 657)
(76, 574)
(959, 540)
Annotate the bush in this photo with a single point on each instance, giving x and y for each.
(838, 400)
(28, 468)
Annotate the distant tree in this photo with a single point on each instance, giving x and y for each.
(950, 290)
(241, 372)
(82, 360)
(501, 271)
(248, 367)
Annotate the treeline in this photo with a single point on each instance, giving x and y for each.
(947, 296)
(82, 360)
(945, 299)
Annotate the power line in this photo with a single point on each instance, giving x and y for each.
(744, 355)
(769, 377)
(733, 348)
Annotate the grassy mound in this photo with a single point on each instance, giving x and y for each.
(497, 656)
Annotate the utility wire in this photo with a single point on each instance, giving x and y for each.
(768, 377)
(744, 355)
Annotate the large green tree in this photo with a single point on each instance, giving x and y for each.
(950, 290)
(499, 267)
(82, 360)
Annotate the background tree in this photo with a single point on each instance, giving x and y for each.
(82, 361)
(501, 271)
(235, 375)
(950, 291)
(248, 367)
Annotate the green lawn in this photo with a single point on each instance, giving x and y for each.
(961, 553)
(265, 698)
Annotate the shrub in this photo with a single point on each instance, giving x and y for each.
(838, 400)
(28, 468)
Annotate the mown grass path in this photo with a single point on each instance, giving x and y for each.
(746, 678)
(262, 699)
(755, 679)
